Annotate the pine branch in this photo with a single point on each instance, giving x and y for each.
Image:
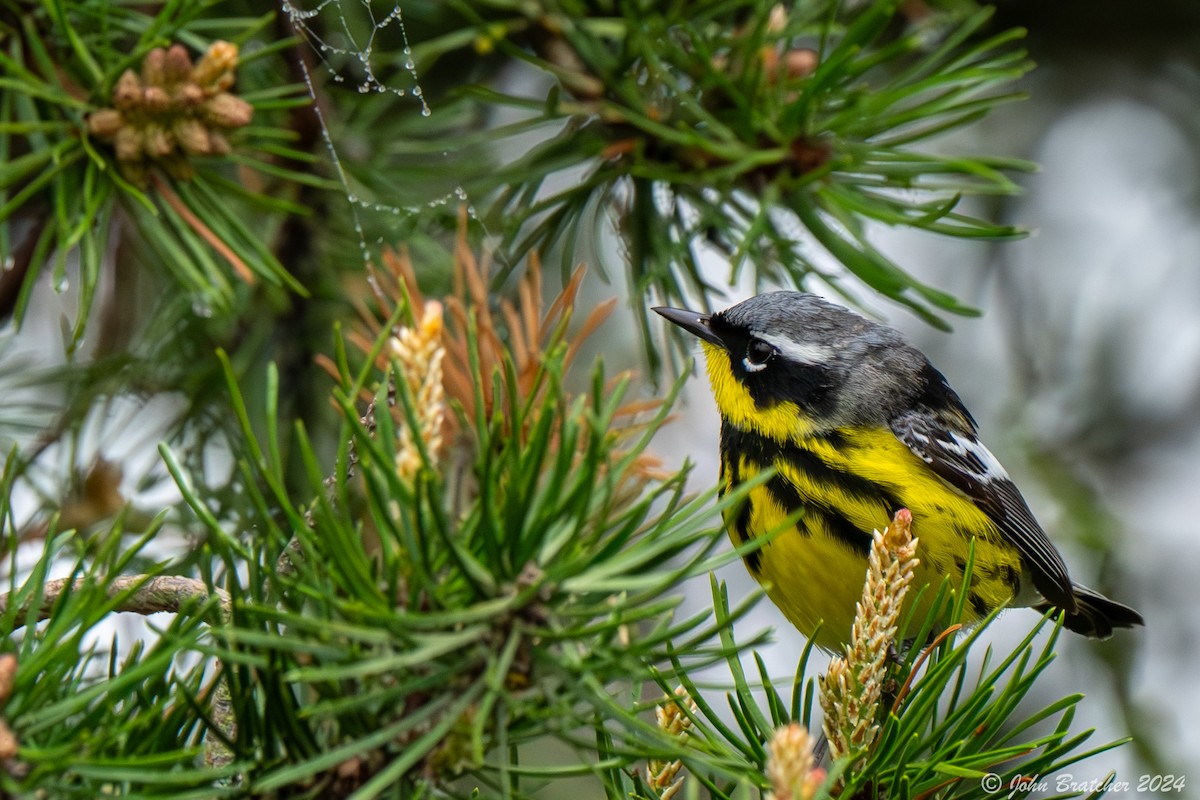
(136, 594)
(486, 556)
(761, 136)
(100, 128)
(947, 732)
(435, 629)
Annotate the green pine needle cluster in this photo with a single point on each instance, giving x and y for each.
(720, 134)
(469, 624)
(63, 193)
(955, 727)
(431, 633)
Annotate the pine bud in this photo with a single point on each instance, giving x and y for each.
(129, 143)
(8, 674)
(777, 18)
(158, 141)
(216, 66)
(419, 352)
(192, 136)
(189, 95)
(227, 111)
(155, 99)
(171, 110)
(791, 766)
(154, 67)
(852, 688)
(177, 66)
(8, 742)
(105, 122)
(127, 94)
(664, 776)
(800, 62)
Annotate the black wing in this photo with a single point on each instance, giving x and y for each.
(960, 459)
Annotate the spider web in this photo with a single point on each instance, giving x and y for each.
(348, 34)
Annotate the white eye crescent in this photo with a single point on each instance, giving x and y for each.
(758, 353)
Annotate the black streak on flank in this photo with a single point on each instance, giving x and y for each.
(783, 493)
(740, 527)
(762, 450)
(847, 533)
(842, 529)
(753, 561)
(978, 605)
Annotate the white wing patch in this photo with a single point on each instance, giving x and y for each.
(987, 468)
(961, 460)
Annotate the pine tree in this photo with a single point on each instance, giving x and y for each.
(415, 533)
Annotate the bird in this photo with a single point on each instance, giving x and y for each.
(857, 424)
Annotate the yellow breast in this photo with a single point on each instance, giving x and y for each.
(848, 482)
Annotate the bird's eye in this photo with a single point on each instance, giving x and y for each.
(757, 355)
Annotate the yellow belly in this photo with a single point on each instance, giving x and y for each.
(814, 571)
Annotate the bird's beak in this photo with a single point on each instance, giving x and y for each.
(691, 321)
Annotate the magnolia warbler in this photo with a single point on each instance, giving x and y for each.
(857, 424)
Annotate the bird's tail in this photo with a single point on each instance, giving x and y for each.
(1095, 615)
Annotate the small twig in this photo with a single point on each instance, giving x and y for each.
(163, 593)
(151, 596)
(933, 791)
(903, 693)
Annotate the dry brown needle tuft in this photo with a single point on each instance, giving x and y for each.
(522, 330)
